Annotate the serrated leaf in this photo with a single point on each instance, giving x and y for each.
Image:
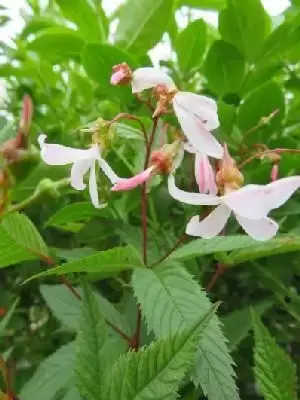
(237, 325)
(179, 303)
(278, 245)
(150, 21)
(274, 371)
(105, 263)
(19, 240)
(82, 14)
(245, 25)
(53, 374)
(191, 44)
(155, 372)
(75, 212)
(202, 247)
(224, 68)
(91, 338)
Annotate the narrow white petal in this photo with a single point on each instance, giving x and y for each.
(79, 168)
(56, 154)
(210, 226)
(196, 132)
(146, 78)
(108, 171)
(261, 229)
(203, 107)
(190, 198)
(189, 148)
(256, 201)
(93, 186)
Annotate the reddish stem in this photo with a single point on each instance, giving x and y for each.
(263, 153)
(144, 201)
(132, 118)
(221, 268)
(169, 252)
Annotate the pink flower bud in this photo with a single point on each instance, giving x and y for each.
(274, 172)
(133, 182)
(204, 174)
(122, 75)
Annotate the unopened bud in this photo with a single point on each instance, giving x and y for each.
(121, 75)
(27, 112)
(103, 133)
(229, 177)
(47, 186)
(274, 172)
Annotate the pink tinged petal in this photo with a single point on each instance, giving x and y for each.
(204, 175)
(79, 169)
(201, 106)
(196, 132)
(146, 78)
(190, 198)
(93, 186)
(210, 226)
(108, 171)
(117, 77)
(56, 154)
(261, 229)
(131, 183)
(256, 201)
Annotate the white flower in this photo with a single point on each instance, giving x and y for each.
(82, 160)
(196, 114)
(251, 205)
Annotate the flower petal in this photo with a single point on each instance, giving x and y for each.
(79, 168)
(189, 148)
(146, 78)
(108, 171)
(196, 132)
(204, 175)
(256, 201)
(56, 154)
(210, 226)
(261, 229)
(93, 186)
(203, 107)
(190, 198)
(131, 183)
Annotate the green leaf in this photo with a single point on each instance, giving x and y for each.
(202, 247)
(203, 4)
(82, 14)
(90, 340)
(260, 103)
(179, 302)
(75, 212)
(278, 245)
(19, 240)
(274, 371)
(98, 60)
(224, 68)
(36, 24)
(150, 21)
(52, 375)
(104, 263)
(156, 371)
(191, 44)
(64, 305)
(72, 395)
(5, 321)
(237, 324)
(245, 25)
(64, 43)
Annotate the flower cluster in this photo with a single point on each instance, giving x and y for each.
(220, 187)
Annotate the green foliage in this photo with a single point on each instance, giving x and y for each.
(191, 44)
(224, 68)
(82, 14)
(150, 21)
(180, 301)
(20, 240)
(245, 25)
(157, 369)
(52, 375)
(90, 341)
(5, 321)
(274, 371)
